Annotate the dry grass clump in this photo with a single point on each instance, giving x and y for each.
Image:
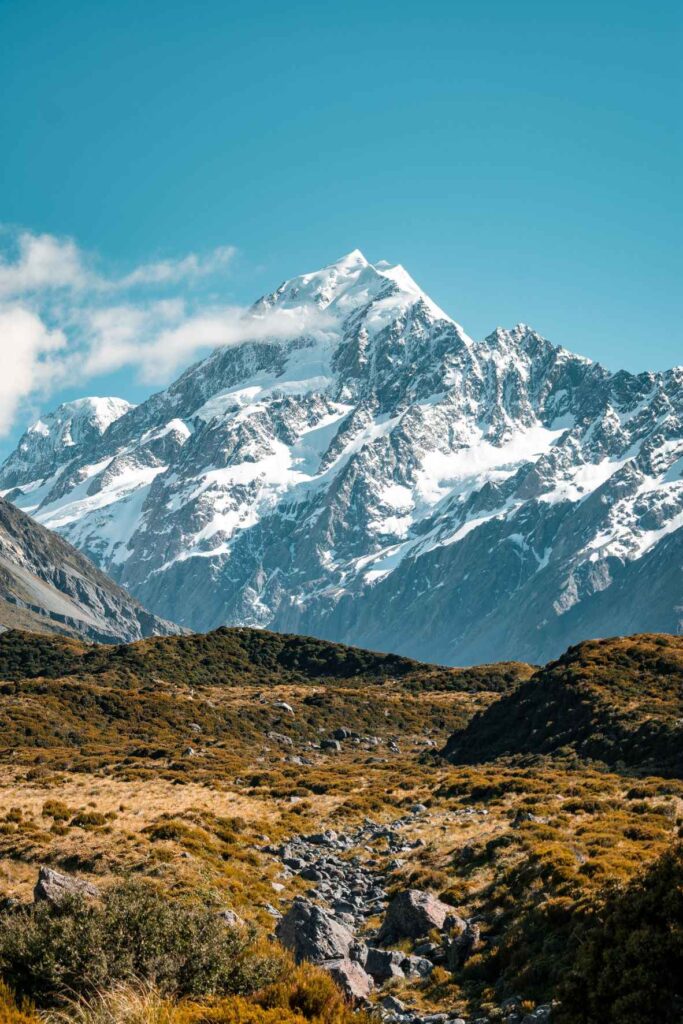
(142, 1004)
(308, 997)
(11, 1012)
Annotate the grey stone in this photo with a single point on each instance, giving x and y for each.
(384, 964)
(411, 915)
(311, 934)
(354, 982)
(53, 887)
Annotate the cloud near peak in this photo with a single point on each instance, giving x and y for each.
(62, 319)
(42, 263)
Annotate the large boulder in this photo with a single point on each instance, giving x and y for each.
(412, 914)
(355, 983)
(311, 934)
(53, 887)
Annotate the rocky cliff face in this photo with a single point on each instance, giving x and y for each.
(48, 586)
(385, 480)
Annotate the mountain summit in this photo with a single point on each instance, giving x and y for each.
(376, 476)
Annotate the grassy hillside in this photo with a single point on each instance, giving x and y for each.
(240, 656)
(182, 760)
(619, 701)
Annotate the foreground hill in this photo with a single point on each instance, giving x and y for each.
(48, 586)
(236, 656)
(380, 478)
(619, 701)
(297, 784)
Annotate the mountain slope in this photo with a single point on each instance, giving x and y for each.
(382, 479)
(618, 701)
(48, 586)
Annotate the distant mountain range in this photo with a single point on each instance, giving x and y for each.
(380, 479)
(48, 586)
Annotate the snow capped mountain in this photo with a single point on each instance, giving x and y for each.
(380, 478)
(53, 440)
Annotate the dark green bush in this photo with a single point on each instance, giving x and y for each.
(134, 932)
(628, 963)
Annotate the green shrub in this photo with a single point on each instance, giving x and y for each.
(628, 964)
(135, 932)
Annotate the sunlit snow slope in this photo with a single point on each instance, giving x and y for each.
(383, 480)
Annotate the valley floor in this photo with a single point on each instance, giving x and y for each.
(335, 793)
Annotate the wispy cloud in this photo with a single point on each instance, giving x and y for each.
(40, 263)
(35, 263)
(27, 359)
(162, 337)
(175, 271)
(63, 319)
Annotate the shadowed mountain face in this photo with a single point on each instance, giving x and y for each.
(619, 701)
(380, 479)
(48, 586)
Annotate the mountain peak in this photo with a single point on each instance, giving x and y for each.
(379, 473)
(53, 439)
(355, 258)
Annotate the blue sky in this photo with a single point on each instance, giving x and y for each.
(523, 161)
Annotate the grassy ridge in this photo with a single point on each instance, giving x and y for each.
(239, 656)
(619, 701)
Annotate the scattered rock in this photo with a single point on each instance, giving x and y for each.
(311, 934)
(53, 887)
(410, 915)
(354, 982)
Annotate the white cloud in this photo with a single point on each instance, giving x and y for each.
(173, 271)
(42, 262)
(63, 320)
(26, 346)
(160, 339)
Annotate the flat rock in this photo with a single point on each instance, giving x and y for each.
(355, 983)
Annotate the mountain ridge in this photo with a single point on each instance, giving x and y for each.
(380, 478)
(48, 586)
